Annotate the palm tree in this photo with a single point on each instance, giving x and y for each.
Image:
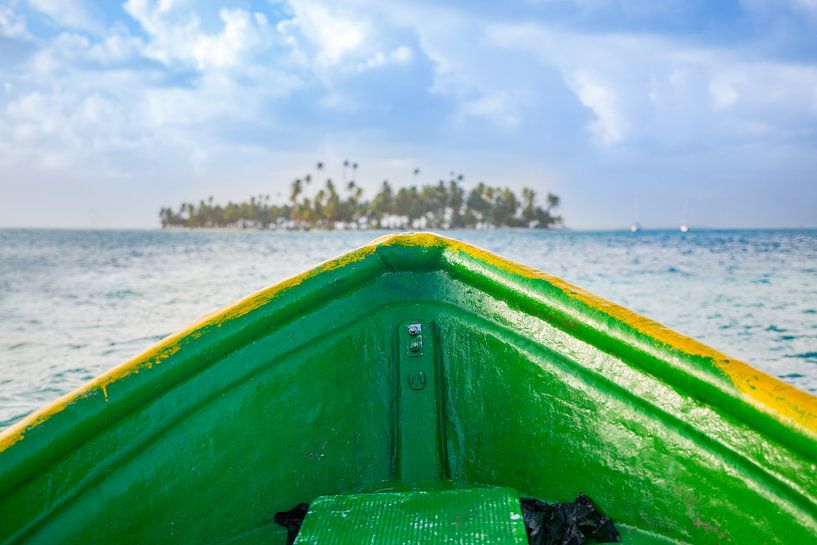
(318, 169)
(381, 204)
(528, 206)
(455, 199)
(443, 205)
(297, 189)
(165, 216)
(351, 213)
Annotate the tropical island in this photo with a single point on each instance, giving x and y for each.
(444, 205)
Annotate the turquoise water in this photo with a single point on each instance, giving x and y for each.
(75, 303)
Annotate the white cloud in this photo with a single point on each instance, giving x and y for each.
(12, 25)
(59, 131)
(68, 49)
(176, 34)
(609, 126)
(638, 88)
(334, 34)
(496, 107)
(93, 98)
(466, 71)
(91, 101)
(241, 33)
(70, 13)
(115, 47)
(651, 89)
(152, 14)
(316, 38)
(341, 38)
(399, 56)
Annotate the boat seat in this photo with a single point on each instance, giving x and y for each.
(476, 516)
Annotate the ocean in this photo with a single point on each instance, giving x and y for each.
(75, 303)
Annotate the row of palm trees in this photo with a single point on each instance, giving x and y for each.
(444, 205)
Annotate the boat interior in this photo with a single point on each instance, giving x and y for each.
(414, 380)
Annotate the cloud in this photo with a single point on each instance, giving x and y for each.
(496, 107)
(399, 55)
(175, 34)
(652, 90)
(69, 13)
(333, 34)
(44, 131)
(478, 85)
(92, 87)
(609, 126)
(69, 52)
(185, 82)
(341, 39)
(189, 64)
(241, 33)
(12, 25)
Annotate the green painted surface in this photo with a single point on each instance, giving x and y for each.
(303, 391)
(418, 450)
(480, 516)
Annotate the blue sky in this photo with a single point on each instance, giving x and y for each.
(109, 110)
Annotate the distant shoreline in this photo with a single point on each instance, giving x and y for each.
(562, 229)
(329, 206)
(358, 230)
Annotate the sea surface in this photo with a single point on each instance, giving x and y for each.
(75, 303)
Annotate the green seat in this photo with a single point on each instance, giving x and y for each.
(477, 516)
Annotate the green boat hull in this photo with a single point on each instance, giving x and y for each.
(415, 362)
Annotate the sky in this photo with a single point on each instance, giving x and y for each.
(628, 110)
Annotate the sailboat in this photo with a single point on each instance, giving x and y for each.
(635, 226)
(684, 227)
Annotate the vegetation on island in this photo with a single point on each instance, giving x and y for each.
(444, 205)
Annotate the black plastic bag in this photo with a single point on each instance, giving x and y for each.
(574, 523)
(292, 520)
